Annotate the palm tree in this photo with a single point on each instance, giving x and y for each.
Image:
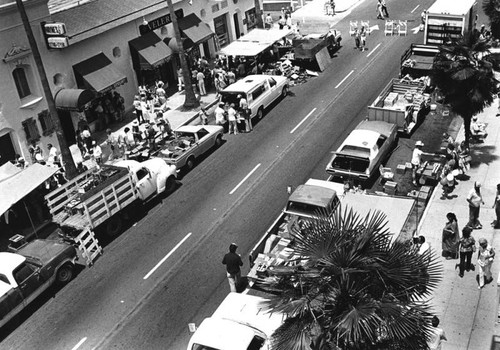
(464, 74)
(491, 9)
(351, 289)
(191, 100)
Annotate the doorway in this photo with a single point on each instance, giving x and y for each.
(236, 19)
(7, 151)
(67, 126)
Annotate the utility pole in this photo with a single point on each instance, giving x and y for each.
(190, 100)
(67, 158)
(258, 14)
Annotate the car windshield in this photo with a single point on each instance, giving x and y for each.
(231, 97)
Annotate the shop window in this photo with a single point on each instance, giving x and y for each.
(215, 8)
(117, 52)
(21, 81)
(31, 130)
(46, 122)
(223, 4)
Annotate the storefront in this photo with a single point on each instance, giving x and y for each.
(221, 30)
(98, 74)
(194, 33)
(152, 60)
(250, 19)
(69, 103)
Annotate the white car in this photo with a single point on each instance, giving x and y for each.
(259, 91)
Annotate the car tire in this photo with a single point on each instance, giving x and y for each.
(260, 113)
(64, 274)
(218, 141)
(114, 225)
(190, 163)
(170, 184)
(284, 92)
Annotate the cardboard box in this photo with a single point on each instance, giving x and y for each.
(400, 168)
(390, 187)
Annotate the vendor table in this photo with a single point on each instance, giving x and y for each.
(429, 173)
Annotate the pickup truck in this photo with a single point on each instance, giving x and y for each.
(363, 151)
(303, 203)
(103, 196)
(24, 275)
(418, 60)
(239, 323)
(401, 102)
(190, 143)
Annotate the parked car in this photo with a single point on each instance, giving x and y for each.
(24, 275)
(259, 91)
(190, 143)
(363, 151)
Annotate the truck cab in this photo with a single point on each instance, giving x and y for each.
(34, 268)
(239, 323)
(151, 177)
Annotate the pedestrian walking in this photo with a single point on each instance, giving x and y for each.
(246, 113)
(475, 200)
(200, 77)
(112, 142)
(467, 246)
(362, 36)
(485, 257)
(96, 152)
(380, 13)
(233, 261)
(437, 335)
(138, 110)
(496, 206)
(384, 8)
(231, 117)
(268, 21)
(180, 80)
(450, 237)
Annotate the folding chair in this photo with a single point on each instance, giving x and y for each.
(366, 24)
(403, 27)
(353, 26)
(389, 27)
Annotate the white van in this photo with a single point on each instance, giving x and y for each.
(259, 91)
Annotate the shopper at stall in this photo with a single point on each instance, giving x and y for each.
(200, 78)
(220, 116)
(112, 142)
(268, 21)
(416, 159)
(96, 152)
(138, 110)
(231, 77)
(281, 22)
(232, 118)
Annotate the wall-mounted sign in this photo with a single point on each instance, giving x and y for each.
(54, 28)
(57, 42)
(55, 35)
(159, 22)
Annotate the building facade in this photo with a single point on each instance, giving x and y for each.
(106, 46)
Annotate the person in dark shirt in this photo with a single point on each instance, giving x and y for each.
(232, 260)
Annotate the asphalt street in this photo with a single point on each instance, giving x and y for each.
(165, 271)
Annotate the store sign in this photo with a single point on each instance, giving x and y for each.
(159, 22)
(58, 42)
(55, 28)
(55, 35)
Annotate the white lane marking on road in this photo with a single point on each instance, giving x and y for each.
(79, 343)
(303, 120)
(245, 178)
(348, 75)
(167, 256)
(416, 7)
(372, 51)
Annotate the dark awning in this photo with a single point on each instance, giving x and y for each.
(98, 73)
(152, 51)
(194, 29)
(73, 99)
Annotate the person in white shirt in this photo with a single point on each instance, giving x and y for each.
(269, 21)
(437, 335)
(53, 155)
(220, 118)
(231, 117)
(475, 200)
(478, 129)
(97, 152)
(416, 159)
(200, 77)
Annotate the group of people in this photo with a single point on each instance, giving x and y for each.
(109, 109)
(360, 38)
(231, 116)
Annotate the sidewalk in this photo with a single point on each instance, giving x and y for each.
(468, 315)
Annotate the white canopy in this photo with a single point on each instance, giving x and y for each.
(254, 42)
(7, 170)
(16, 187)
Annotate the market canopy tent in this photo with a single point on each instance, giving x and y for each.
(16, 187)
(254, 42)
(8, 170)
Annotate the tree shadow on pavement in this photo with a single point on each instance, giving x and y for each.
(482, 154)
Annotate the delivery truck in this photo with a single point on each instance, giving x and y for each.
(449, 20)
